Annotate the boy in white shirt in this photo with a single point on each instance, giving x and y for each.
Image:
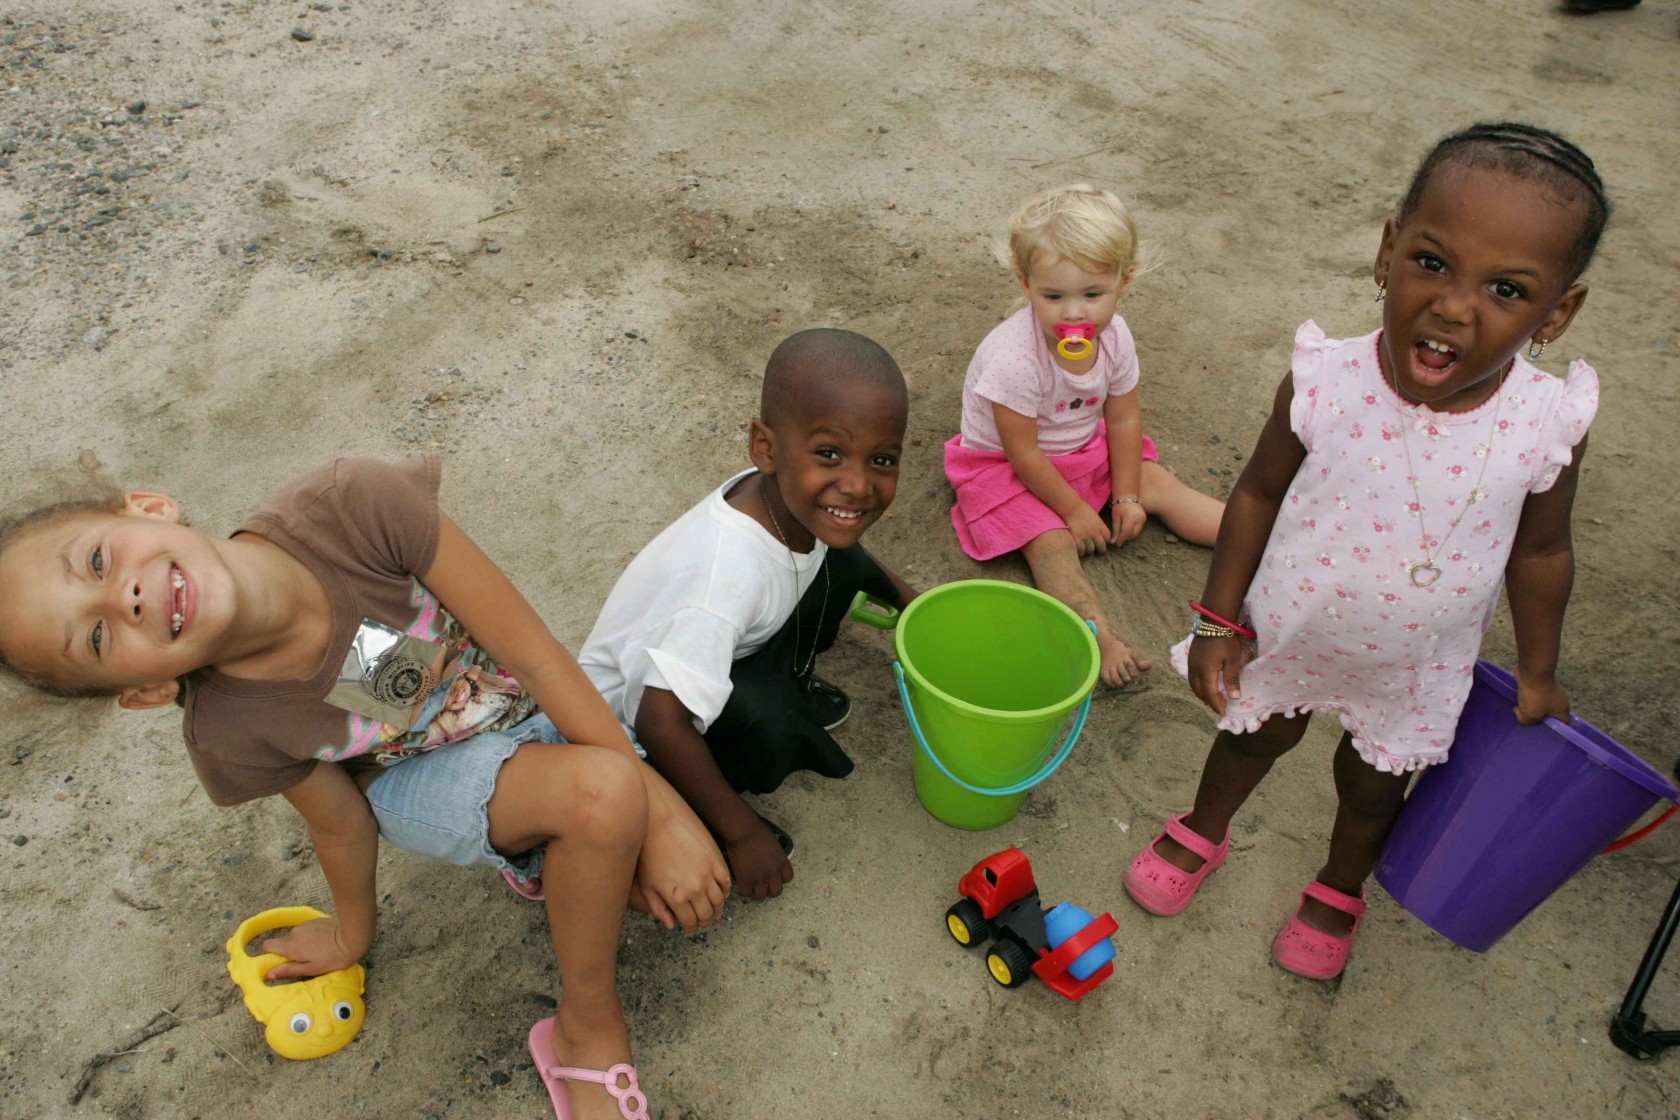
(706, 646)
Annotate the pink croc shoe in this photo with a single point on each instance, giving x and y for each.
(1313, 953)
(1161, 888)
(620, 1080)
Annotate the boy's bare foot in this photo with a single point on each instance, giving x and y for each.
(599, 1044)
(1121, 664)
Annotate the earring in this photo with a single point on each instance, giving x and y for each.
(1382, 290)
(1534, 351)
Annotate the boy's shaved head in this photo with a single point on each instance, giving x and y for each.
(827, 440)
(824, 365)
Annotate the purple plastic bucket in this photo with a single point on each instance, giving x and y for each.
(1487, 835)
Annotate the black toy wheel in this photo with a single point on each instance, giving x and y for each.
(1008, 963)
(966, 923)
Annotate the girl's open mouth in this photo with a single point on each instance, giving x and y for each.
(177, 601)
(1432, 361)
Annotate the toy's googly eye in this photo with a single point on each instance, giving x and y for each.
(301, 1023)
(342, 1011)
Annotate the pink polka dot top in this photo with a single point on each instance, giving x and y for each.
(1369, 600)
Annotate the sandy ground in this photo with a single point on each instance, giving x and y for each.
(555, 242)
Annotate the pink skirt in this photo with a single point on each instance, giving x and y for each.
(996, 513)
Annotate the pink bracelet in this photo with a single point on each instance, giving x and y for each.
(1242, 631)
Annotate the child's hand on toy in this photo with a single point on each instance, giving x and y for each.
(1539, 697)
(1090, 535)
(761, 867)
(311, 949)
(1216, 670)
(1128, 521)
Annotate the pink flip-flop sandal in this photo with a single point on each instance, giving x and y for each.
(620, 1080)
(531, 890)
(1313, 953)
(1163, 889)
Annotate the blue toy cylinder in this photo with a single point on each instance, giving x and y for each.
(1065, 921)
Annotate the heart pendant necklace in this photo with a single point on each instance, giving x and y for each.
(1425, 572)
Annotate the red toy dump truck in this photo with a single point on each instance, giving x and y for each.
(1067, 948)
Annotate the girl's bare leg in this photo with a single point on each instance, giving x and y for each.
(1189, 513)
(1054, 560)
(590, 805)
(1235, 765)
(1368, 801)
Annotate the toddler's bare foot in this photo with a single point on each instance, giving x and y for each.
(599, 1044)
(1121, 664)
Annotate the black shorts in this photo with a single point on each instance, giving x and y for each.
(763, 733)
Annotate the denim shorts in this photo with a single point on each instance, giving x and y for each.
(437, 803)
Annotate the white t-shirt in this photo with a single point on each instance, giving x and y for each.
(710, 589)
(1014, 367)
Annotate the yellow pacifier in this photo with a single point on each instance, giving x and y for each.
(304, 1018)
(1073, 340)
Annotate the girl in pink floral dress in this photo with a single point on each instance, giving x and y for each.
(1402, 477)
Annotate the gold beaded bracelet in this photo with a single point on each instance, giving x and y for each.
(1202, 628)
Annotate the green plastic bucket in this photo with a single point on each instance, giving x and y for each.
(996, 680)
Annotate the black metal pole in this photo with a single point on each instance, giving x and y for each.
(1627, 1029)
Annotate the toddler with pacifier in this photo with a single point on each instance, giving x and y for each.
(1052, 431)
(1402, 477)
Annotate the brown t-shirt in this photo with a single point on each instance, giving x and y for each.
(366, 529)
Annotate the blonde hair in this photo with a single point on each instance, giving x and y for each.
(1079, 223)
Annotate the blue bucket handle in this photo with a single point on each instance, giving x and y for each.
(1049, 768)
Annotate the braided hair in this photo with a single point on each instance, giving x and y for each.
(1532, 153)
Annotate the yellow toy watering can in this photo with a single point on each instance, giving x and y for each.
(305, 1018)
